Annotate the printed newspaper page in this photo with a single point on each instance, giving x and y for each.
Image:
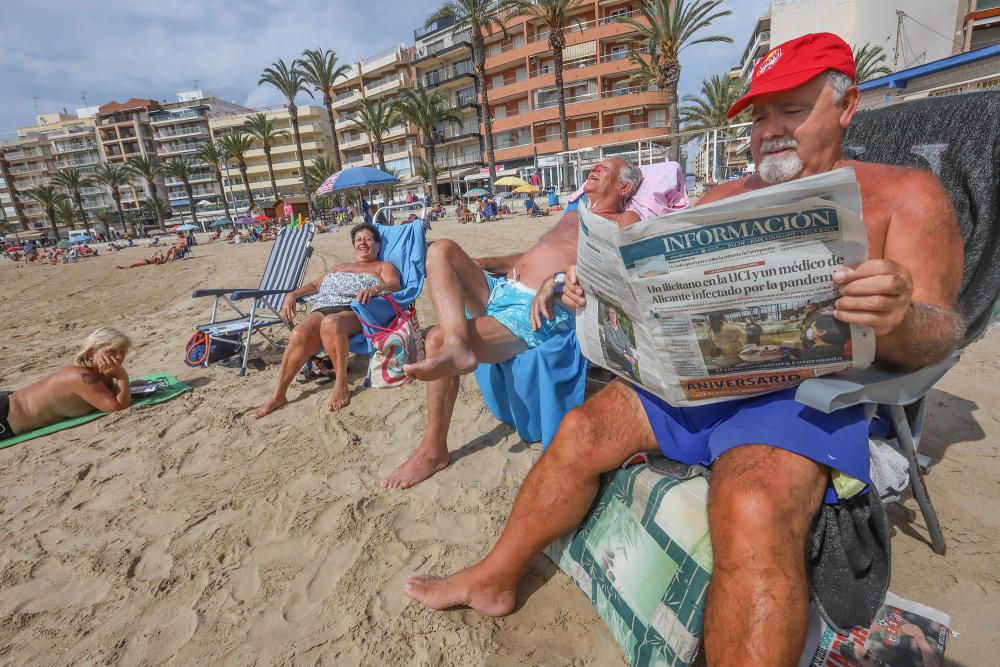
(729, 299)
(903, 634)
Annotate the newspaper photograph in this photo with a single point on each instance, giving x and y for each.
(726, 300)
(903, 634)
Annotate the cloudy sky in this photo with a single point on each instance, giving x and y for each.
(53, 52)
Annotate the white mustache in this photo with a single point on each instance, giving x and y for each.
(775, 145)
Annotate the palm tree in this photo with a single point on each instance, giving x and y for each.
(48, 197)
(156, 207)
(668, 27)
(320, 70)
(479, 17)
(66, 214)
(554, 16)
(73, 180)
(12, 189)
(113, 176)
(870, 61)
(214, 156)
(427, 111)
(181, 168)
(375, 119)
(263, 129)
(319, 171)
(235, 146)
(149, 171)
(105, 218)
(708, 110)
(290, 82)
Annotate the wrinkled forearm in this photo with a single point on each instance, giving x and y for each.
(502, 264)
(926, 336)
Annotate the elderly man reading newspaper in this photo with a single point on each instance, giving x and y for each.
(770, 456)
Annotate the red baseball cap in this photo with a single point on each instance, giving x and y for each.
(795, 62)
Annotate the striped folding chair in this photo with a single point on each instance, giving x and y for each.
(285, 270)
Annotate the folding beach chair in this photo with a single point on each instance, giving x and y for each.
(958, 138)
(286, 267)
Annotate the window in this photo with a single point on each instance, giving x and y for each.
(619, 52)
(497, 81)
(500, 112)
(620, 122)
(522, 106)
(657, 117)
(583, 128)
(551, 133)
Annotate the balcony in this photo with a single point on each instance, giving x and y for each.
(513, 138)
(87, 161)
(569, 65)
(497, 81)
(445, 74)
(462, 99)
(623, 54)
(353, 141)
(179, 148)
(197, 177)
(635, 125)
(176, 116)
(345, 99)
(441, 24)
(24, 153)
(391, 56)
(574, 99)
(452, 131)
(630, 90)
(73, 146)
(462, 39)
(458, 161)
(190, 131)
(386, 84)
(571, 28)
(619, 17)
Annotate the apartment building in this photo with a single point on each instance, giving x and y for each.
(603, 105)
(27, 164)
(980, 23)
(124, 131)
(180, 129)
(442, 61)
(317, 141)
(383, 76)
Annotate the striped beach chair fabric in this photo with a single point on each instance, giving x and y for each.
(285, 270)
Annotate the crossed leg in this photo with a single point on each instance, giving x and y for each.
(302, 344)
(761, 505)
(456, 284)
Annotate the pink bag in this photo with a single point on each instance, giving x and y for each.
(394, 345)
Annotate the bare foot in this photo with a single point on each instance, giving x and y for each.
(414, 470)
(451, 360)
(462, 589)
(269, 407)
(341, 397)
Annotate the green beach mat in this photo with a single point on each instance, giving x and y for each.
(174, 388)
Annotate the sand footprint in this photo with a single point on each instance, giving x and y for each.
(154, 562)
(339, 558)
(197, 460)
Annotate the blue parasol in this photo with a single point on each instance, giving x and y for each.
(476, 192)
(221, 222)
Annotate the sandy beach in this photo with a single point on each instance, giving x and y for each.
(188, 532)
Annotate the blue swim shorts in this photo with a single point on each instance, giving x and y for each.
(510, 305)
(701, 434)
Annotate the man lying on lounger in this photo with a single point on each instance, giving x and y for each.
(500, 309)
(95, 381)
(770, 456)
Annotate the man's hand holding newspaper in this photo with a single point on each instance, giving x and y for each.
(743, 296)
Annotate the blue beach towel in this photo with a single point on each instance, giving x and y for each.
(535, 389)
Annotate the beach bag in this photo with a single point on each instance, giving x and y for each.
(202, 350)
(394, 345)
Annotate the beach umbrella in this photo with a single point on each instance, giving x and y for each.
(355, 177)
(185, 228)
(221, 222)
(81, 239)
(511, 181)
(476, 192)
(63, 244)
(529, 189)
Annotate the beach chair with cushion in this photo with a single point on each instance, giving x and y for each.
(405, 247)
(643, 554)
(285, 270)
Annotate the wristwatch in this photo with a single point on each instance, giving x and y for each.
(559, 280)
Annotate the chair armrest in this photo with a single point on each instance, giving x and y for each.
(872, 385)
(213, 292)
(257, 293)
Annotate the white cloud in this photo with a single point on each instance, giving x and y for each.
(116, 49)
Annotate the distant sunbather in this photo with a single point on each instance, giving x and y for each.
(95, 381)
(332, 322)
(157, 258)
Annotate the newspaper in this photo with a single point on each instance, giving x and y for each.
(726, 300)
(903, 634)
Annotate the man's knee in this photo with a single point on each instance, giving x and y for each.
(762, 499)
(443, 249)
(433, 340)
